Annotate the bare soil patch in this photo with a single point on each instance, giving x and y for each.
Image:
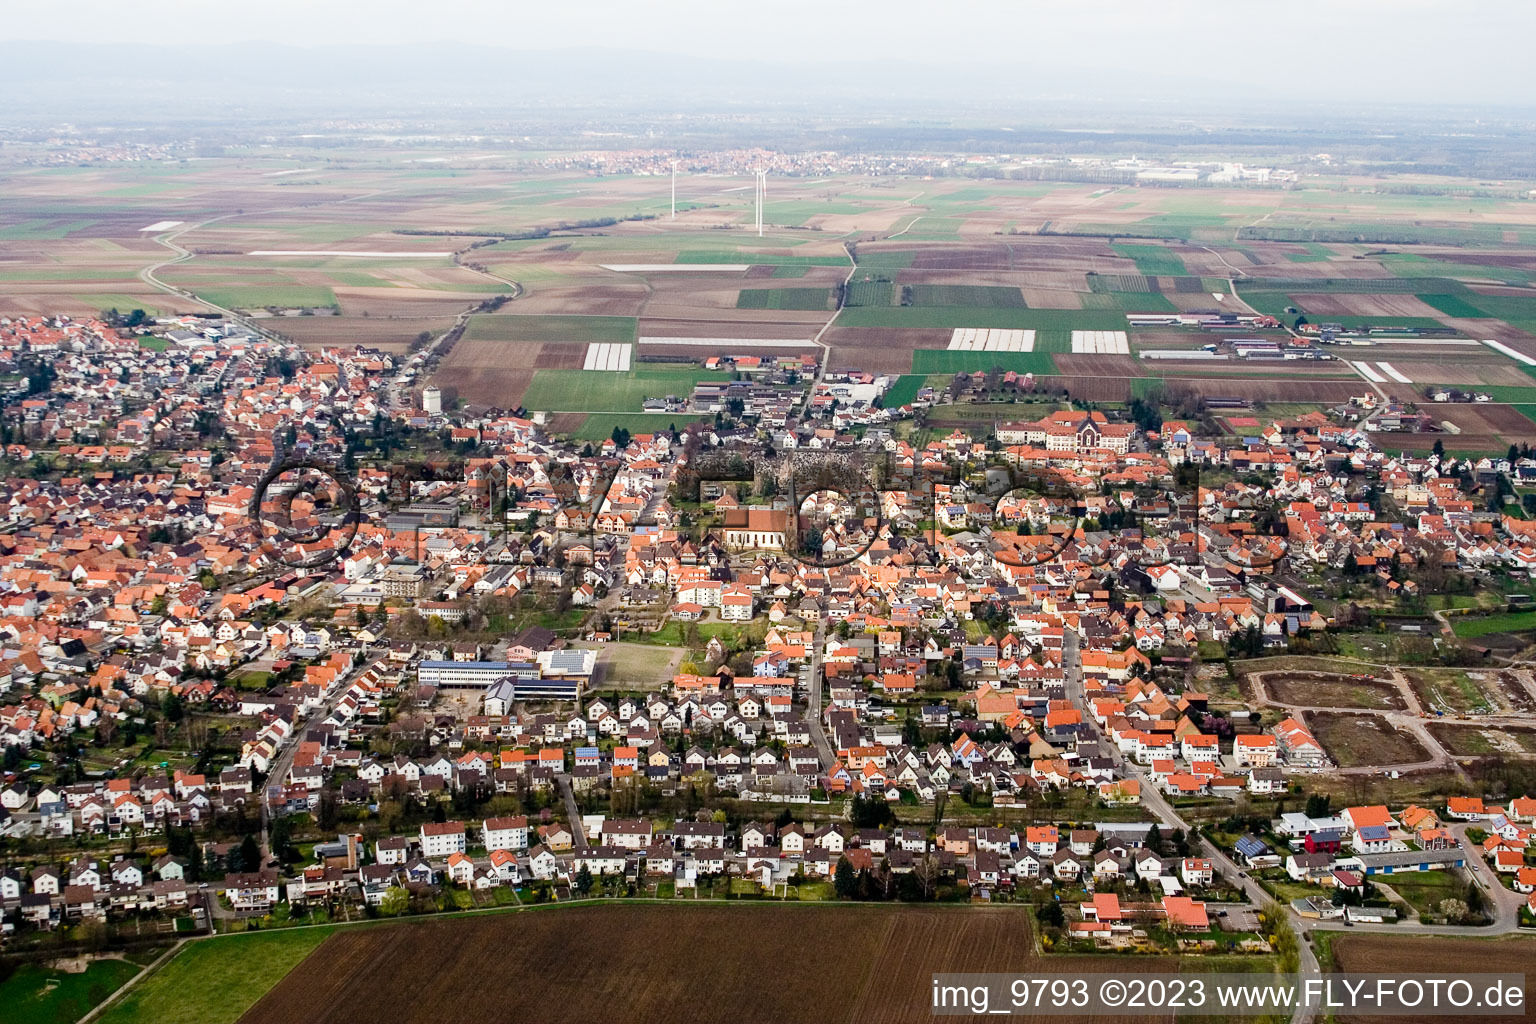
(654, 962)
(1361, 741)
(1330, 691)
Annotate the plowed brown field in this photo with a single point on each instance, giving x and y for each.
(684, 964)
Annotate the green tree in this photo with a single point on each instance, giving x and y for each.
(249, 854)
(845, 882)
(583, 883)
(396, 902)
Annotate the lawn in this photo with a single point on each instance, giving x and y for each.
(600, 425)
(42, 995)
(1470, 626)
(531, 327)
(937, 360)
(602, 391)
(904, 390)
(1423, 890)
(214, 981)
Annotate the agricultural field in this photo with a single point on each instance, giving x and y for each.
(657, 957)
(396, 247)
(1363, 741)
(1408, 954)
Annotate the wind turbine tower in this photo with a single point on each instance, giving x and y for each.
(762, 194)
(674, 190)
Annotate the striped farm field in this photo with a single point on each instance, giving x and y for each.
(671, 961)
(522, 327)
(784, 298)
(926, 360)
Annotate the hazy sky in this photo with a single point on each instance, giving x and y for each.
(1453, 50)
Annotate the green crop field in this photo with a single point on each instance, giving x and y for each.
(937, 360)
(1452, 305)
(972, 316)
(1118, 283)
(292, 296)
(43, 995)
(214, 981)
(523, 327)
(978, 296)
(1152, 260)
(869, 293)
(602, 391)
(888, 259)
(784, 298)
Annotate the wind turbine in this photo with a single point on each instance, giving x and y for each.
(674, 190)
(762, 194)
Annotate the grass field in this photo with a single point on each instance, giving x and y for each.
(932, 360)
(1473, 626)
(600, 391)
(600, 425)
(522, 327)
(904, 390)
(214, 981)
(42, 995)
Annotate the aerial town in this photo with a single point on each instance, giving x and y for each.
(607, 513)
(990, 668)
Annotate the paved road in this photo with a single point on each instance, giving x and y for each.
(278, 773)
(1153, 800)
(578, 834)
(813, 703)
